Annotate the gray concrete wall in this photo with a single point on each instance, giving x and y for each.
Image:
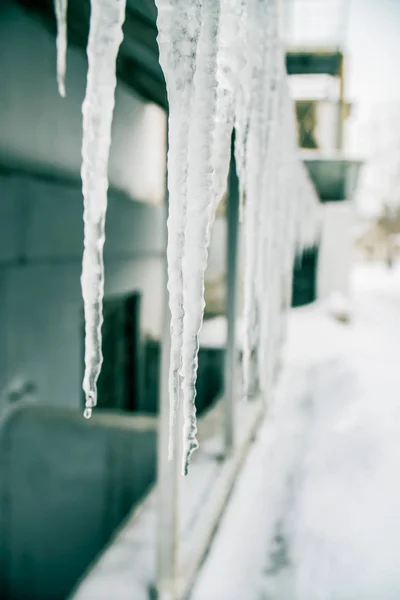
(40, 129)
(41, 310)
(65, 485)
(41, 230)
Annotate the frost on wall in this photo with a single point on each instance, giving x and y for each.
(224, 68)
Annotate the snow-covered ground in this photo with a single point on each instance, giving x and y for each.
(315, 514)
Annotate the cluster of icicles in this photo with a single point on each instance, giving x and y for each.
(225, 69)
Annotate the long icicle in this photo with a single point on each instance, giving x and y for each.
(201, 203)
(227, 83)
(269, 199)
(60, 8)
(243, 102)
(105, 37)
(178, 32)
(267, 221)
(258, 30)
(202, 75)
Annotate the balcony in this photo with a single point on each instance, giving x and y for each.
(334, 176)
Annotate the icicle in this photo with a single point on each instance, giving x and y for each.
(267, 190)
(201, 204)
(60, 7)
(223, 64)
(201, 91)
(270, 258)
(266, 246)
(105, 37)
(178, 25)
(243, 102)
(259, 32)
(282, 237)
(227, 85)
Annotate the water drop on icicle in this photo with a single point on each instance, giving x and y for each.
(105, 37)
(60, 7)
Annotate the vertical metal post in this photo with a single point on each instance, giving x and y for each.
(168, 474)
(231, 287)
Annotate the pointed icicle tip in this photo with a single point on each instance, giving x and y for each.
(61, 88)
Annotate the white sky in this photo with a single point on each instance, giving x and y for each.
(372, 69)
(373, 42)
(373, 84)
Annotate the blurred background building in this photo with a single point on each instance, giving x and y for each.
(315, 36)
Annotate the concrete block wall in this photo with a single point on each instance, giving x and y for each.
(41, 229)
(41, 309)
(65, 485)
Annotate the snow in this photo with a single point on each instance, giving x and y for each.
(316, 508)
(60, 7)
(105, 37)
(339, 307)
